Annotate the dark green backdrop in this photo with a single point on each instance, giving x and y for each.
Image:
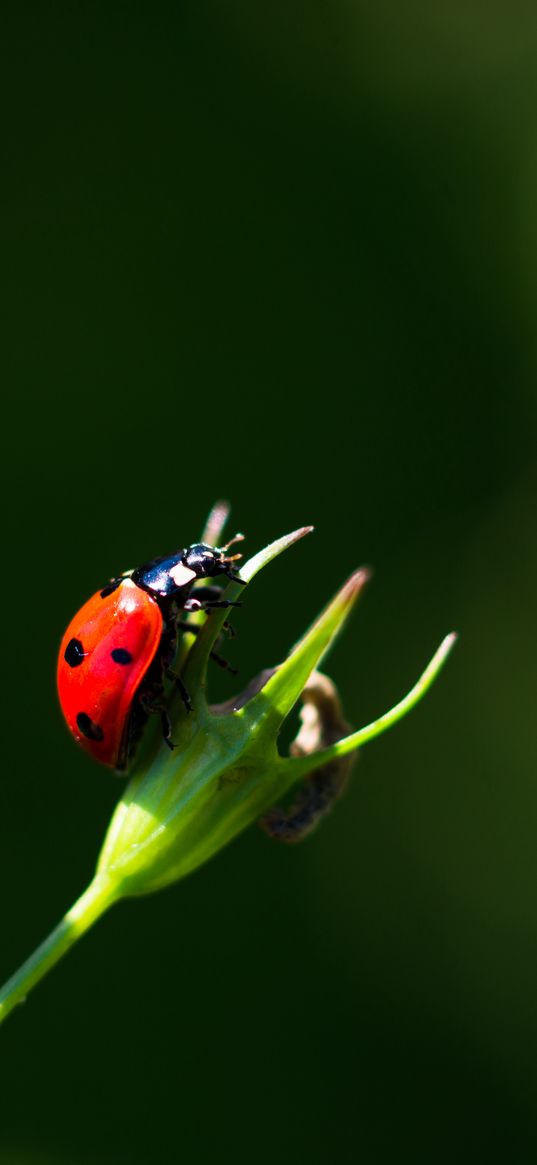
(284, 253)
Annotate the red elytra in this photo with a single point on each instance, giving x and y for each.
(106, 679)
(104, 657)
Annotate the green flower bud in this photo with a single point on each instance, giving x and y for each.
(181, 807)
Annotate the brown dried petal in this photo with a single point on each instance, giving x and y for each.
(322, 724)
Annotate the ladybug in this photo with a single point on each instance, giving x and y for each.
(118, 648)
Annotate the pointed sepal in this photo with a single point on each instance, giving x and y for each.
(281, 692)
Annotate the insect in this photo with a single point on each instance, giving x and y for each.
(120, 645)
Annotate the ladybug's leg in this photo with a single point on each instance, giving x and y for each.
(220, 603)
(207, 592)
(150, 705)
(219, 659)
(183, 690)
(167, 657)
(194, 629)
(166, 728)
(203, 592)
(233, 577)
(207, 605)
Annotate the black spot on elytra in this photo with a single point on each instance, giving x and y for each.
(88, 727)
(121, 655)
(74, 653)
(112, 586)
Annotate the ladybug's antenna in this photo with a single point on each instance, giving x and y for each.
(229, 558)
(232, 541)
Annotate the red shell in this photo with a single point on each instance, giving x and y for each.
(95, 685)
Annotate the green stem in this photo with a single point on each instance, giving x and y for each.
(100, 894)
(304, 765)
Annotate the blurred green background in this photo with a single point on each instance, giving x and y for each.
(283, 253)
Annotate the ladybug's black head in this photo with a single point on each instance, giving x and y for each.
(172, 578)
(205, 561)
